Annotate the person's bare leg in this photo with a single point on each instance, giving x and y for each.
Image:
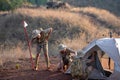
(47, 60)
(36, 61)
(45, 49)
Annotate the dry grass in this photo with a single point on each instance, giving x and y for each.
(3, 12)
(104, 62)
(75, 44)
(90, 29)
(70, 17)
(65, 16)
(101, 14)
(12, 55)
(81, 42)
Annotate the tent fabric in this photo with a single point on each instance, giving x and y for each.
(114, 76)
(111, 46)
(95, 74)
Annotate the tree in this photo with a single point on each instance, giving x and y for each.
(4, 5)
(10, 4)
(38, 2)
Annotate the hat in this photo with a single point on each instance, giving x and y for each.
(35, 33)
(41, 29)
(62, 47)
(80, 53)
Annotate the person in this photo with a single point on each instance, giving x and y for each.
(94, 63)
(41, 37)
(65, 57)
(91, 61)
(109, 60)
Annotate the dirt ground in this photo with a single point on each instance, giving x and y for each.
(21, 70)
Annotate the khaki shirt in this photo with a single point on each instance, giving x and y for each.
(67, 54)
(44, 35)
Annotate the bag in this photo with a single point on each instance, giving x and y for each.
(79, 69)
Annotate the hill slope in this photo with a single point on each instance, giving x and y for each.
(110, 5)
(77, 25)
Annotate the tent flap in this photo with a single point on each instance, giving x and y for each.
(111, 46)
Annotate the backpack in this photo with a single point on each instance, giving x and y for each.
(79, 69)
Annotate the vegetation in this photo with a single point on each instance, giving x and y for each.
(75, 27)
(10, 4)
(38, 2)
(6, 5)
(110, 5)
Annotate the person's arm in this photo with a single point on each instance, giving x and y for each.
(31, 41)
(48, 31)
(73, 52)
(60, 64)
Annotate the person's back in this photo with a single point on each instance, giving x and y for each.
(79, 69)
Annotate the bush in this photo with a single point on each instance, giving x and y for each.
(4, 5)
(10, 4)
(37, 2)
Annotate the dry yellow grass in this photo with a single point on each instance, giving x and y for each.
(70, 17)
(75, 44)
(3, 12)
(12, 55)
(66, 16)
(91, 29)
(101, 14)
(104, 62)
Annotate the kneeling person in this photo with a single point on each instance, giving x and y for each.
(65, 56)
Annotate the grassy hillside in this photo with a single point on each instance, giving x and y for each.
(78, 23)
(75, 27)
(110, 5)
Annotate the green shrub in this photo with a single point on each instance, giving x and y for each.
(38, 2)
(10, 4)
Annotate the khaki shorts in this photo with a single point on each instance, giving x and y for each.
(43, 46)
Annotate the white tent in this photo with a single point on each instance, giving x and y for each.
(111, 46)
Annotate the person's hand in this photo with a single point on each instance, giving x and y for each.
(59, 67)
(76, 53)
(51, 29)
